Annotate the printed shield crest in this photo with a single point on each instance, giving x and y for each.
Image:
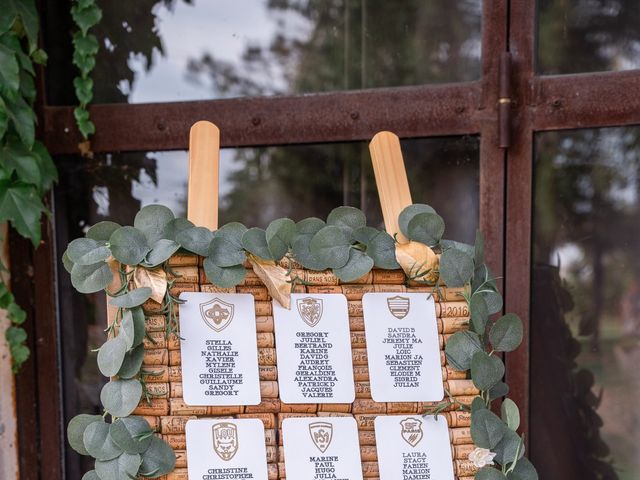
(225, 440)
(217, 314)
(321, 434)
(310, 310)
(398, 306)
(411, 431)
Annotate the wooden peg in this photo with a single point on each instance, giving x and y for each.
(204, 165)
(391, 180)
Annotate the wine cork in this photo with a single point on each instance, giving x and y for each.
(465, 467)
(282, 416)
(363, 390)
(333, 414)
(175, 358)
(402, 407)
(368, 453)
(334, 407)
(365, 421)
(391, 277)
(178, 474)
(151, 307)
(266, 356)
(361, 373)
(259, 292)
(358, 340)
(297, 288)
(184, 274)
(356, 324)
(269, 389)
(178, 288)
(183, 260)
(450, 373)
(173, 342)
(263, 309)
(272, 454)
(452, 309)
(155, 340)
(209, 288)
(298, 407)
(460, 436)
(370, 469)
(366, 405)
(326, 277)
(225, 409)
(175, 374)
(175, 424)
(155, 323)
(453, 324)
(282, 473)
(250, 279)
(359, 356)
(178, 407)
(458, 418)
(268, 372)
(356, 291)
(158, 390)
(264, 324)
(267, 405)
(176, 441)
(465, 400)
(268, 419)
(155, 406)
(324, 289)
(176, 390)
(366, 278)
(265, 340)
(155, 374)
(154, 422)
(290, 263)
(389, 288)
(271, 435)
(443, 358)
(181, 458)
(367, 437)
(156, 356)
(462, 452)
(354, 307)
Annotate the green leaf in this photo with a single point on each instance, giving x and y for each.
(85, 125)
(66, 262)
(39, 56)
(506, 334)
(23, 119)
(254, 240)
(463, 247)
(489, 473)
(111, 355)
(21, 205)
(426, 228)
(224, 277)
(456, 268)
(98, 443)
(174, 227)
(487, 430)
(510, 446)
(127, 330)
(121, 397)
(486, 370)
(461, 348)
(91, 278)
(152, 220)
(86, 251)
(382, 249)
(499, 390)
(128, 245)
(331, 246)
(131, 299)
(493, 300)
(102, 231)
(364, 235)
(161, 251)
(85, 63)
(91, 475)
(131, 434)
(524, 470)
(25, 11)
(138, 324)
(27, 86)
(359, 264)
(408, 213)
(15, 335)
(479, 314)
(306, 229)
(279, 235)
(85, 44)
(510, 414)
(86, 17)
(347, 219)
(195, 239)
(232, 232)
(48, 171)
(224, 252)
(477, 404)
(76, 428)
(9, 69)
(132, 363)
(124, 467)
(4, 118)
(159, 459)
(16, 157)
(84, 89)
(309, 226)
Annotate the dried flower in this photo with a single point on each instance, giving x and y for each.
(482, 457)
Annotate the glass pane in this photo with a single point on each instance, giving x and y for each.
(585, 337)
(577, 36)
(257, 185)
(168, 50)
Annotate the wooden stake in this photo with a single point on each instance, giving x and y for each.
(391, 180)
(204, 164)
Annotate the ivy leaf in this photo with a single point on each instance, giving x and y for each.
(131, 434)
(524, 470)
(91, 278)
(132, 363)
(39, 56)
(489, 473)
(98, 443)
(195, 239)
(331, 246)
(161, 251)
(128, 245)
(86, 126)
(16, 157)
(408, 213)
(506, 334)
(510, 446)
(487, 430)
(76, 428)
(86, 251)
(159, 459)
(121, 397)
(85, 63)
(9, 69)
(4, 118)
(278, 235)
(456, 267)
(426, 228)
(510, 414)
(347, 219)
(359, 264)
(25, 11)
(21, 205)
(111, 355)
(48, 171)
(382, 249)
(461, 348)
(23, 119)
(84, 89)
(85, 44)
(131, 299)
(152, 220)
(486, 370)
(224, 277)
(125, 466)
(254, 241)
(102, 231)
(86, 17)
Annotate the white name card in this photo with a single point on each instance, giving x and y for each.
(313, 347)
(226, 449)
(413, 448)
(320, 448)
(219, 349)
(402, 347)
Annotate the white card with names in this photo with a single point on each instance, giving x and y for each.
(220, 449)
(321, 447)
(313, 346)
(219, 349)
(413, 447)
(402, 347)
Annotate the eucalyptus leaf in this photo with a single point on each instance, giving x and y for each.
(279, 235)
(124, 467)
(489, 473)
(492, 299)
(131, 434)
(364, 235)
(408, 213)
(98, 442)
(159, 459)
(127, 331)
(426, 228)
(524, 470)
(75, 431)
(498, 391)
(128, 245)
(309, 226)
(91, 475)
(111, 355)
(359, 264)
(477, 404)
(225, 253)
(486, 370)
(161, 251)
(121, 397)
(174, 227)
(382, 249)
(506, 334)
(224, 277)
(331, 246)
(195, 239)
(233, 232)
(66, 262)
(91, 278)
(254, 241)
(463, 247)
(132, 363)
(102, 231)
(137, 315)
(302, 253)
(456, 267)
(509, 447)
(131, 299)
(510, 414)
(347, 219)
(487, 430)
(479, 314)
(461, 348)
(86, 251)
(152, 220)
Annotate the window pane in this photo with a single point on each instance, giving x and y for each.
(168, 50)
(585, 325)
(577, 36)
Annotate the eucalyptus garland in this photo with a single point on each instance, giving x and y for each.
(344, 244)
